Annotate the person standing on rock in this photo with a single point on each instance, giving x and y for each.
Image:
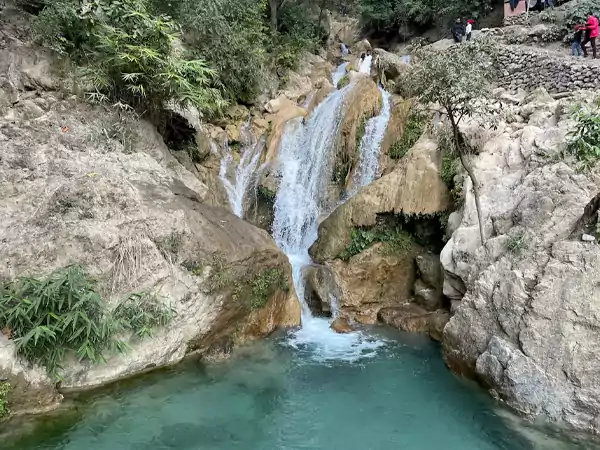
(458, 31)
(469, 28)
(590, 35)
(576, 40)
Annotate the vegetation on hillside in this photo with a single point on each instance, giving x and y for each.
(440, 78)
(145, 53)
(62, 314)
(396, 15)
(584, 140)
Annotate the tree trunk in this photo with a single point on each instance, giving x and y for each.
(469, 169)
(322, 8)
(274, 4)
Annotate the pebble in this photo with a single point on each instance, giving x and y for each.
(588, 238)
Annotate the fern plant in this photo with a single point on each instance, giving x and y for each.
(63, 313)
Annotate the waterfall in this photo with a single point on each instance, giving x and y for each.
(365, 65)
(250, 151)
(370, 146)
(305, 173)
(339, 73)
(344, 49)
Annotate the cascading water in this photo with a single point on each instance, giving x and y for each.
(339, 73)
(370, 146)
(250, 152)
(305, 173)
(365, 65)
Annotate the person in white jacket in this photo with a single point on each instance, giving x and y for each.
(469, 28)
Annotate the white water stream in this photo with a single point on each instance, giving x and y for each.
(339, 73)
(370, 147)
(237, 187)
(365, 65)
(304, 159)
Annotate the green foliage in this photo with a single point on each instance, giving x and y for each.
(412, 132)
(5, 388)
(516, 244)
(170, 245)
(344, 81)
(266, 194)
(128, 55)
(231, 35)
(396, 240)
(360, 131)
(264, 284)
(450, 168)
(141, 313)
(440, 77)
(63, 313)
(389, 15)
(584, 140)
(577, 12)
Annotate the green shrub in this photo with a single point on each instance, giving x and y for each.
(584, 140)
(128, 55)
(516, 244)
(230, 35)
(396, 240)
(344, 81)
(360, 131)
(450, 168)
(63, 313)
(141, 313)
(412, 132)
(264, 284)
(4, 406)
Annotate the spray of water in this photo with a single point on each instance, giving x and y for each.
(237, 184)
(370, 147)
(305, 173)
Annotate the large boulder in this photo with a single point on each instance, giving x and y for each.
(388, 68)
(71, 191)
(414, 187)
(374, 279)
(526, 303)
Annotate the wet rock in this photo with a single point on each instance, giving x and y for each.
(341, 326)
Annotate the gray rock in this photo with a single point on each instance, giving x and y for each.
(588, 238)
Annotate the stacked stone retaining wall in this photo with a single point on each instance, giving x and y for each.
(528, 68)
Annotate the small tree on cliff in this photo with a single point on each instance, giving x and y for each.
(454, 80)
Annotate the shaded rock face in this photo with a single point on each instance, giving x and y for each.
(414, 319)
(526, 315)
(388, 68)
(373, 280)
(414, 187)
(123, 207)
(400, 113)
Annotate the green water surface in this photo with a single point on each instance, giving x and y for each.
(269, 396)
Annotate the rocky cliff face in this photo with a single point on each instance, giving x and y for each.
(525, 311)
(97, 187)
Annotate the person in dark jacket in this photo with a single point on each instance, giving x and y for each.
(576, 40)
(458, 31)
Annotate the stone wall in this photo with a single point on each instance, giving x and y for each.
(529, 68)
(520, 19)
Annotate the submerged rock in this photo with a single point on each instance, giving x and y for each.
(341, 326)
